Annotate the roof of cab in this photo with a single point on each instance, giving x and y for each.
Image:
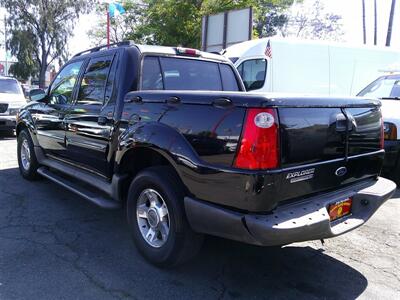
(149, 49)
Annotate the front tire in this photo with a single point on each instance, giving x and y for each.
(157, 219)
(27, 161)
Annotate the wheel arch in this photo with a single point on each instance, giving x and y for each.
(138, 159)
(25, 121)
(153, 144)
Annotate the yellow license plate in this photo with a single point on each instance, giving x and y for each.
(340, 209)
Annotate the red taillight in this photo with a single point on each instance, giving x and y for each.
(259, 147)
(188, 51)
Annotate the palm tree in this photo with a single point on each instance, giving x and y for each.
(363, 18)
(390, 26)
(375, 23)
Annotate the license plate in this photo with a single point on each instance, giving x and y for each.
(340, 209)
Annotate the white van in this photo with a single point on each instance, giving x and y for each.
(312, 67)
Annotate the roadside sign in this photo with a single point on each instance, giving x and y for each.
(226, 29)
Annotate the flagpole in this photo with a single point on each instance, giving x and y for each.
(108, 28)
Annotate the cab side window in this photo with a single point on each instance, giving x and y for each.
(63, 85)
(93, 86)
(253, 73)
(151, 77)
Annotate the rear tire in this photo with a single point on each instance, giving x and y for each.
(157, 219)
(27, 161)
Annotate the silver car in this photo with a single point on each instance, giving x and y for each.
(11, 99)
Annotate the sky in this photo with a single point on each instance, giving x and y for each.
(350, 10)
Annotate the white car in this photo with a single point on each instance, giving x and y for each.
(11, 99)
(387, 89)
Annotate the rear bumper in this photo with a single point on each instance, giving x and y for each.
(7, 123)
(297, 222)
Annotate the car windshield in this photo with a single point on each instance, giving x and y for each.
(386, 87)
(9, 86)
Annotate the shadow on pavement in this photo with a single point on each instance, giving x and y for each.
(82, 251)
(274, 272)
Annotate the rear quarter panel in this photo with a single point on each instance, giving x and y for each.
(213, 132)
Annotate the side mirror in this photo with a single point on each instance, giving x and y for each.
(37, 95)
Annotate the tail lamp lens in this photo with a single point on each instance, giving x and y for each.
(188, 51)
(259, 146)
(389, 131)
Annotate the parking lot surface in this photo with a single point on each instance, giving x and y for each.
(54, 245)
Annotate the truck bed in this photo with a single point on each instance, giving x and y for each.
(313, 143)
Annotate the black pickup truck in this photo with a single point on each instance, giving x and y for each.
(170, 134)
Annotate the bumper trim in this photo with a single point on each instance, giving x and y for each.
(296, 222)
(7, 122)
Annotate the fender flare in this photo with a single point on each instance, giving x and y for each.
(25, 120)
(165, 140)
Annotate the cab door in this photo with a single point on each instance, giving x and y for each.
(89, 123)
(49, 116)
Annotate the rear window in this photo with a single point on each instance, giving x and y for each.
(167, 73)
(10, 86)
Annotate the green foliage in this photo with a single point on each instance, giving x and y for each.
(39, 30)
(22, 43)
(178, 22)
(171, 22)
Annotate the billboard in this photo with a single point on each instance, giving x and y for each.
(226, 29)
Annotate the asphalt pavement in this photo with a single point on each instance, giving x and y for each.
(54, 245)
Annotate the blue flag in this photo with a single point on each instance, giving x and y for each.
(115, 9)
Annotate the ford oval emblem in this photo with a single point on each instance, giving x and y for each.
(341, 171)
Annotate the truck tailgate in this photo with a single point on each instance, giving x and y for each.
(310, 135)
(324, 148)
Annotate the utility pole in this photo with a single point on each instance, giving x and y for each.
(390, 26)
(108, 28)
(5, 45)
(363, 21)
(375, 23)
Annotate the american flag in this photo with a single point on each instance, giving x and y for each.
(268, 50)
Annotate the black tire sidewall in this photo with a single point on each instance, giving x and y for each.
(167, 254)
(31, 172)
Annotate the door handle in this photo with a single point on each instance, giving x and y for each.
(344, 123)
(173, 100)
(133, 99)
(222, 102)
(103, 120)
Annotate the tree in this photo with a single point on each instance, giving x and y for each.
(170, 23)
(390, 26)
(39, 31)
(121, 27)
(313, 22)
(363, 21)
(178, 22)
(26, 66)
